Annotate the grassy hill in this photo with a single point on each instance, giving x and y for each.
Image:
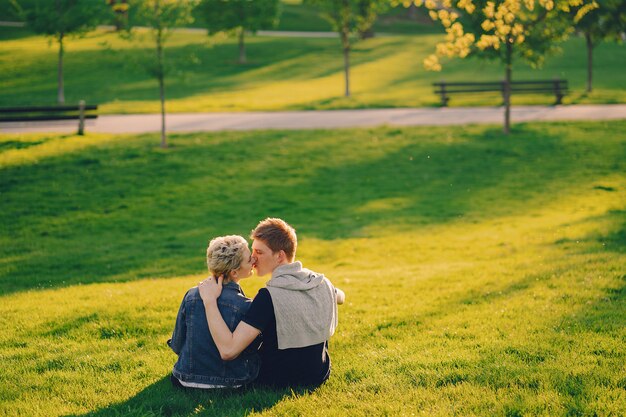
(282, 73)
(484, 275)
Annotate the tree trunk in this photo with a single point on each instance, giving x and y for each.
(589, 61)
(161, 77)
(242, 47)
(343, 13)
(60, 93)
(346, 68)
(365, 14)
(507, 89)
(366, 34)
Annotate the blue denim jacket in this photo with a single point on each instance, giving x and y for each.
(199, 360)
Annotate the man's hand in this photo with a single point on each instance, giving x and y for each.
(341, 296)
(211, 288)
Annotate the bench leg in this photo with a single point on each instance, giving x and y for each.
(559, 99)
(81, 117)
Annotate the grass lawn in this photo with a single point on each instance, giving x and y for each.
(484, 275)
(282, 73)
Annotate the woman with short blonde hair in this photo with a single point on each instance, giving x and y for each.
(199, 364)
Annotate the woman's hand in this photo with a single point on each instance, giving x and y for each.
(211, 288)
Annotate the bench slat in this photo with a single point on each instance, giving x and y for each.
(476, 90)
(36, 109)
(557, 87)
(561, 82)
(35, 118)
(513, 88)
(468, 84)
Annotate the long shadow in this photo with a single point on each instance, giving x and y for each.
(530, 365)
(193, 69)
(14, 33)
(198, 69)
(615, 241)
(162, 399)
(116, 214)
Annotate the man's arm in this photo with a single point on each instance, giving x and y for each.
(341, 296)
(230, 344)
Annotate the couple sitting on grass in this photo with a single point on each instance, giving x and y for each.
(225, 340)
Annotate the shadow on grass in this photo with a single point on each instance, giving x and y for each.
(117, 213)
(603, 322)
(194, 69)
(574, 355)
(162, 399)
(14, 33)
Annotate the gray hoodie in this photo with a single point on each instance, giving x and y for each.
(305, 305)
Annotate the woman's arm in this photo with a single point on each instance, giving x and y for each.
(230, 344)
(180, 330)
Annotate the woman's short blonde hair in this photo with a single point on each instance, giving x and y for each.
(225, 254)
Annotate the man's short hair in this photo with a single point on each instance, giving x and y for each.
(225, 254)
(277, 235)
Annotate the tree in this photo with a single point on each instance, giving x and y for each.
(368, 12)
(120, 13)
(161, 16)
(239, 16)
(59, 19)
(607, 21)
(500, 30)
(346, 18)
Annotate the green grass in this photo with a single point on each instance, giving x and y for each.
(296, 16)
(283, 73)
(484, 274)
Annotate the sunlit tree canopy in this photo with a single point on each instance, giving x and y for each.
(483, 27)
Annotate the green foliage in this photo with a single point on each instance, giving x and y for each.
(285, 73)
(501, 29)
(61, 17)
(161, 15)
(346, 17)
(606, 22)
(298, 16)
(249, 15)
(483, 276)
(544, 31)
(350, 16)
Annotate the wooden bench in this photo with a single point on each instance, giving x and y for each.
(557, 87)
(41, 113)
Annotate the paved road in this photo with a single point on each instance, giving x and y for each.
(331, 119)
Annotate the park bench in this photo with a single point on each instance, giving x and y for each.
(557, 87)
(79, 112)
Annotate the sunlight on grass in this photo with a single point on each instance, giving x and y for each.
(468, 292)
(44, 146)
(282, 73)
(484, 275)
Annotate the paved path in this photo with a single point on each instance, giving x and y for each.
(331, 119)
(194, 122)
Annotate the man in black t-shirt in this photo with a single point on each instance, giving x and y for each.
(296, 312)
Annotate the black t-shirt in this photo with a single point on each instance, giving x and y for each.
(305, 366)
